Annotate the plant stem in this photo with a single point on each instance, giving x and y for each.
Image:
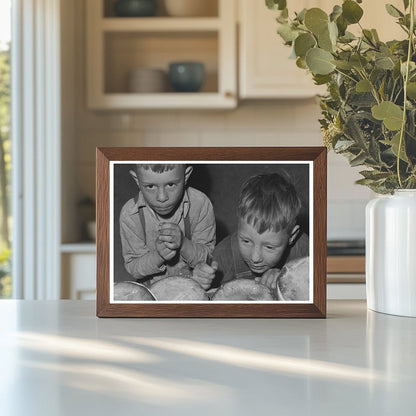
(346, 75)
(373, 88)
(406, 79)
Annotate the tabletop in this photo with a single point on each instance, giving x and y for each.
(57, 358)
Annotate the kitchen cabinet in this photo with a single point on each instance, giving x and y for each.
(265, 70)
(78, 263)
(118, 45)
(346, 277)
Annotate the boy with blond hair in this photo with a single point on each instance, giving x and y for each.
(268, 235)
(167, 228)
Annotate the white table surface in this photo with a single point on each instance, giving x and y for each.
(57, 358)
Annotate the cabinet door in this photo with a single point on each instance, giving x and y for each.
(119, 46)
(78, 276)
(265, 69)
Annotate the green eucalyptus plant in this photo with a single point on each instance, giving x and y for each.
(369, 111)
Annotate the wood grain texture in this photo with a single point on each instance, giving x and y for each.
(317, 309)
(103, 231)
(319, 229)
(346, 264)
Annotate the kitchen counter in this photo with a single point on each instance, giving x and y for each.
(57, 358)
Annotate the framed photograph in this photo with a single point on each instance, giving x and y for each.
(211, 232)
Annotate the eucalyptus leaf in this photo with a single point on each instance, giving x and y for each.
(354, 132)
(319, 61)
(345, 65)
(412, 67)
(358, 61)
(391, 114)
(411, 90)
(351, 11)
(281, 19)
(374, 150)
(333, 32)
(358, 160)
(377, 75)
(363, 86)
(301, 63)
(378, 187)
(365, 182)
(301, 15)
(375, 35)
(303, 43)
(287, 33)
(347, 37)
(393, 11)
(405, 21)
(369, 36)
(342, 25)
(362, 111)
(374, 174)
(325, 42)
(321, 79)
(395, 142)
(336, 12)
(384, 62)
(276, 4)
(385, 50)
(382, 89)
(316, 20)
(343, 145)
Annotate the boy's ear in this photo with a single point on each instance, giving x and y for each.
(134, 176)
(294, 234)
(188, 172)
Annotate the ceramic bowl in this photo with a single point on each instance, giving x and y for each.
(191, 8)
(147, 80)
(186, 76)
(135, 8)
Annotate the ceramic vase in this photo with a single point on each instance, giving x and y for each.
(391, 253)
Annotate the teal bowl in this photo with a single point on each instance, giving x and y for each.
(186, 76)
(135, 8)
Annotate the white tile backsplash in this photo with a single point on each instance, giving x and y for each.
(257, 123)
(346, 219)
(170, 138)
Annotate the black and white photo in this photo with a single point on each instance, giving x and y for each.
(201, 231)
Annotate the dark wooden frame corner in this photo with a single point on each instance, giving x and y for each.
(317, 309)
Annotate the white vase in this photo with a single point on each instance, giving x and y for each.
(391, 253)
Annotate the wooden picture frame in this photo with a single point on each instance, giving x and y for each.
(232, 166)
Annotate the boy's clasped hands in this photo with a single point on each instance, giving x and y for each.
(170, 240)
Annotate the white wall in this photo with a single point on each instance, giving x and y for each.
(253, 123)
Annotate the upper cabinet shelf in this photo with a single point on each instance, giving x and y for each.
(128, 58)
(160, 24)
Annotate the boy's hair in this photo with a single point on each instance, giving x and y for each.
(157, 168)
(269, 202)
